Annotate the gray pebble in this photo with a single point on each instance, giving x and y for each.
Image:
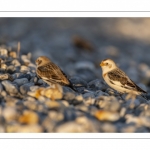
(97, 85)
(10, 88)
(28, 76)
(20, 82)
(25, 87)
(1, 88)
(78, 81)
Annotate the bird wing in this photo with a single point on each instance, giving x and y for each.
(119, 78)
(51, 72)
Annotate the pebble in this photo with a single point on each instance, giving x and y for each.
(24, 69)
(21, 81)
(1, 88)
(29, 117)
(11, 69)
(31, 128)
(78, 81)
(10, 88)
(108, 128)
(25, 87)
(97, 84)
(10, 114)
(109, 103)
(70, 127)
(28, 76)
(55, 116)
(6, 77)
(13, 54)
(3, 52)
(103, 115)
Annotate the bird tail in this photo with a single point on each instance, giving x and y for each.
(74, 87)
(144, 97)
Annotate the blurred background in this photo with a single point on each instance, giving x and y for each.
(78, 45)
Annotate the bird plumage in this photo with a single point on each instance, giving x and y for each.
(117, 79)
(51, 73)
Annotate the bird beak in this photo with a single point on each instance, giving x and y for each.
(102, 64)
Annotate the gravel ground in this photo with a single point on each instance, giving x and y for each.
(77, 45)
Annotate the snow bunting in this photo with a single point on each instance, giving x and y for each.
(51, 73)
(118, 80)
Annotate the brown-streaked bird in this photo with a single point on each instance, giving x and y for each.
(51, 73)
(118, 80)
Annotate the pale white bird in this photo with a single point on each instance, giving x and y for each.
(118, 80)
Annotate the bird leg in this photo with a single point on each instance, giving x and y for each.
(131, 95)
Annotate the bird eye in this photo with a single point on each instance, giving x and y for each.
(106, 63)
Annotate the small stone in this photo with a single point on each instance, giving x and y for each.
(6, 77)
(31, 105)
(28, 76)
(16, 63)
(24, 69)
(48, 124)
(31, 128)
(20, 82)
(103, 115)
(3, 52)
(13, 54)
(31, 99)
(53, 93)
(3, 93)
(97, 85)
(55, 116)
(52, 104)
(129, 129)
(1, 88)
(11, 69)
(2, 129)
(100, 93)
(123, 111)
(9, 87)
(108, 128)
(25, 59)
(40, 82)
(65, 103)
(69, 96)
(10, 114)
(16, 75)
(82, 107)
(25, 87)
(108, 103)
(89, 98)
(35, 79)
(69, 127)
(78, 81)
(11, 101)
(29, 117)
(3, 67)
(89, 125)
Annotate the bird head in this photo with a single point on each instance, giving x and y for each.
(107, 65)
(42, 60)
